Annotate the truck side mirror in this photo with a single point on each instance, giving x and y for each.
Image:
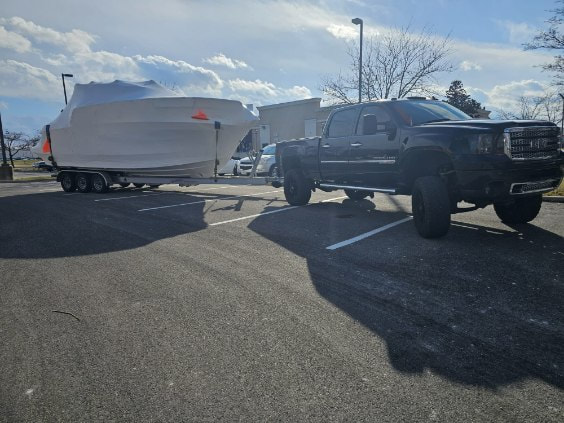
(369, 125)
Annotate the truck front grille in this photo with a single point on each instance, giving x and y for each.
(531, 142)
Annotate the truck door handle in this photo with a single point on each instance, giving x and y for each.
(326, 146)
(356, 144)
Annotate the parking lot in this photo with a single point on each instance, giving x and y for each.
(219, 302)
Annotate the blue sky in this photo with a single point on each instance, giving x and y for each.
(260, 52)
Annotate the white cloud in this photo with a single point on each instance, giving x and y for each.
(261, 92)
(75, 41)
(467, 65)
(222, 60)
(506, 96)
(18, 79)
(517, 32)
(14, 41)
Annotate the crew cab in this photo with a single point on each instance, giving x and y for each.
(432, 151)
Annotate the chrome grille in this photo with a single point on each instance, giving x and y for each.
(531, 143)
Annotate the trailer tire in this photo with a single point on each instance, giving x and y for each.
(356, 194)
(430, 205)
(68, 182)
(296, 188)
(154, 186)
(523, 210)
(124, 184)
(83, 182)
(235, 170)
(138, 185)
(99, 184)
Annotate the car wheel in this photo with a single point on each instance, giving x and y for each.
(523, 210)
(68, 182)
(430, 206)
(296, 188)
(99, 184)
(273, 172)
(138, 185)
(83, 182)
(356, 194)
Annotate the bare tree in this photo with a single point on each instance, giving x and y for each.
(395, 64)
(18, 141)
(552, 39)
(546, 106)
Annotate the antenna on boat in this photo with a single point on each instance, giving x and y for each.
(217, 126)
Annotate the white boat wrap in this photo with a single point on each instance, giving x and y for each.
(146, 129)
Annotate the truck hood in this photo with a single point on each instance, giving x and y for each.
(495, 125)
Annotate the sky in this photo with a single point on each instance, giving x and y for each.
(260, 52)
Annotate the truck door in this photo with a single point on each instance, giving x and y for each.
(335, 144)
(374, 148)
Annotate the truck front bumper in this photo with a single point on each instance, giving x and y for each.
(501, 180)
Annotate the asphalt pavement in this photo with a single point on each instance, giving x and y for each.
(224, 303)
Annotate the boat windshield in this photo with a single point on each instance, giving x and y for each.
(418, 112)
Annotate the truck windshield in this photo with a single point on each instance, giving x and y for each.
(417, 112)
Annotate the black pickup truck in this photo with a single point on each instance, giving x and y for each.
(432, 151)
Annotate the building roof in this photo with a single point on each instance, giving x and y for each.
(290, 103)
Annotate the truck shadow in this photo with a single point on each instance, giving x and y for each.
(481, 307)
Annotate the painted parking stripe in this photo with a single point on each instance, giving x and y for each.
(368, 234)
(204, 201)
(130, 196)
(272, 211)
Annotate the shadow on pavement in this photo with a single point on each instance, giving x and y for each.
(482, 306)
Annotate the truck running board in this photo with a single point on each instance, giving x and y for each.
(336, 186)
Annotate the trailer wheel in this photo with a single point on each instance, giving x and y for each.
(523, 210)
(68, 182)
(296, 188)
(124, 184)
(154, 186)
(235, 170)
(83, 182)
(430, 206)
(356, 194)
(99, 184)
(138, 185)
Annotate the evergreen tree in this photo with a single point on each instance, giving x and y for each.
(456, 96)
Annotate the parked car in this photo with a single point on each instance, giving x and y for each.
(266, 161)
(230, 167)
(245, 166)
(43, 166)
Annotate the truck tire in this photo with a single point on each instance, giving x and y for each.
(523, 210)
(430, 206)
(68, 182)
(99, 184)
(356, 194)
(83, 182)
(296, 188)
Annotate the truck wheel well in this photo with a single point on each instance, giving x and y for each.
(425, 163)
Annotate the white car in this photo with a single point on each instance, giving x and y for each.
(245, 166)
(230, 168)
(267, 162)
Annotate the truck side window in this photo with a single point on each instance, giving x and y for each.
(342, 123)
(372, 113)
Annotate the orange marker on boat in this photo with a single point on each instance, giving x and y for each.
(200, 115)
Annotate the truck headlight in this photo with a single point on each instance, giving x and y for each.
(482, 143)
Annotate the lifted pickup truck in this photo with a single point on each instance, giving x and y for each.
(432, 151)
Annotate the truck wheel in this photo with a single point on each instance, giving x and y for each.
(296, 188)
(523, 210)
(83, 182)
(99, 184)
(138, 185)
(430, 206)
(124, 184)
(356, 194)
(68, 182)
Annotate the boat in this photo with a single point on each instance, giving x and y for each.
(144, 128)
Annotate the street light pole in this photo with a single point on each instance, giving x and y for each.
(6, 171)
(562, 131)
(358, 21)
(68, 75)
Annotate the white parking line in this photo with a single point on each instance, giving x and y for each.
(272, 211)
(368, 234)
(204, 201)
(130, 196)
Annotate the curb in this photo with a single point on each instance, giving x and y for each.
(22, 181)
(553, 198)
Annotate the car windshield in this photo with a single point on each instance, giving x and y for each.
(417, 112)
(269, 150)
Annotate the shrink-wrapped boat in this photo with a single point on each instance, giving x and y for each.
(144, 129)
